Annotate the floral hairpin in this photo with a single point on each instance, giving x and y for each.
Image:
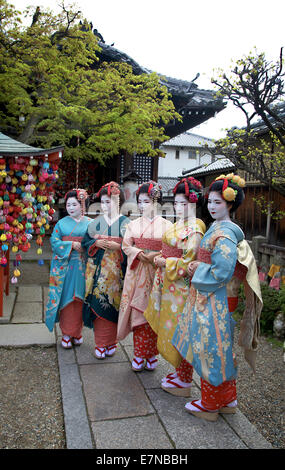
(228, 193)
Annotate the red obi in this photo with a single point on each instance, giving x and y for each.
(72, 239)
(205, 256)
(170, 251)
(148, 244)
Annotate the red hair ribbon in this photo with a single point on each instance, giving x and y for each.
(150, 188)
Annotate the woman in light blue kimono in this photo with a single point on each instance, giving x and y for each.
(67, 272)
(204, 335)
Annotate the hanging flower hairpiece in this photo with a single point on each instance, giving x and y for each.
(228, 193)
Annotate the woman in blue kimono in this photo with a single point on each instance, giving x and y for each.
(105, 270)
(204, 335)
(67, 272)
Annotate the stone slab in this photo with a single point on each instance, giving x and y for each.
(26, 335)
(246, 431)
(77, 430)
(113, 391)
(132, 433)
(190, 432)
(31, 293)
(152, 379)
(28, 312)
(8, 306)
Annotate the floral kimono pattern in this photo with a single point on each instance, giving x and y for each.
(142, 235)
(67, 272)
(171, 284)
(105, 271)
(204, 335)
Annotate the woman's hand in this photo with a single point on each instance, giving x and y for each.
(77, 246)
(159, 261)
(101, 243)
(143, 257)
(151, 255)
(113, 245)
(192, 268)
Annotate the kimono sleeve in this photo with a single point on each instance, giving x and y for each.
(60, 248)
(88, 245)
(129, 249)
(210, 277)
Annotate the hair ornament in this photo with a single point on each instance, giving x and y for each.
(154, 189)
(112, 187)
(228, 193)
(191, 194)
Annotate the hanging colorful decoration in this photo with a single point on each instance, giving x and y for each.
(26, 199)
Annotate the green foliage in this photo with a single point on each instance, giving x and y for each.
(255, 87)
(50, 76)
(273, 302)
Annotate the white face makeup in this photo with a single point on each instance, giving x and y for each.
(73, 208)
(183, 208)
(109, 206)
(218, 207)
(145, 205)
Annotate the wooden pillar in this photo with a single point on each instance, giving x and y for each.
(4, 281)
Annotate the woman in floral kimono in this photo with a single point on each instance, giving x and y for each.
(204, 335)
(141, 243)
(180, 245)
(67, 272)
(105, 270)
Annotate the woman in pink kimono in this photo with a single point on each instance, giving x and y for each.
(141, 243)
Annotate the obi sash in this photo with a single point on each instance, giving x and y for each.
(72, 239)
(205, 256)
(148, 244)
(170, 251)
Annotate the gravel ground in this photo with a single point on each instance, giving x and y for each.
(31, 414)
(261, 396)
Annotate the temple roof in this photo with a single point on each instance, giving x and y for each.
(13, 148)
(195, 105)
(209, 168)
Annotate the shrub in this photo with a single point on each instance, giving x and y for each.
(273, 302)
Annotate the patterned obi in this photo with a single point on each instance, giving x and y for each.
(72, 239)
(148, 244)
(171, 251)
(205, 256)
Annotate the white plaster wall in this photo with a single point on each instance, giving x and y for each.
(170, 166)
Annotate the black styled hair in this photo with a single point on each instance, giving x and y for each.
(145, 189)
(104, 192)
(71, 193)
(188, 186)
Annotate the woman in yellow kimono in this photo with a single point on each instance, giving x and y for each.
(180, 245)
(142, 241)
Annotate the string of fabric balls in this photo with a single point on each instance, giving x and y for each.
(26, 198)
